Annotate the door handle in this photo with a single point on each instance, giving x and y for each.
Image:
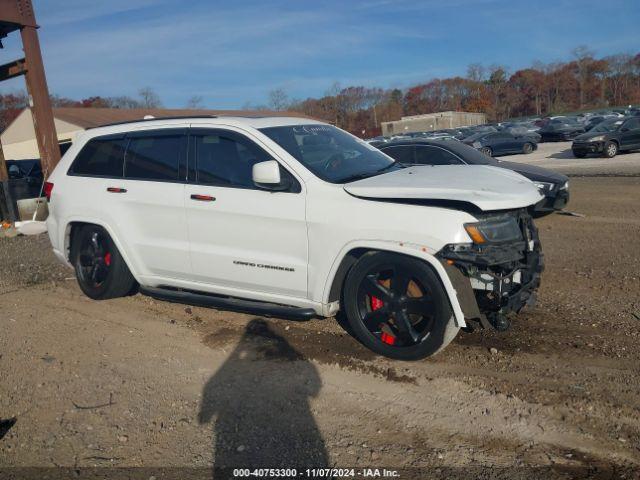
(203, 198)
(116, 190)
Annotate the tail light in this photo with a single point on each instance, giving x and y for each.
(48, 188)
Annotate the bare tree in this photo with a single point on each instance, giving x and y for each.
(278, 99)
(195, 102)
(583, 57)
(149, 98)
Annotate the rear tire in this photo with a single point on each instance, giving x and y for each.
(100, 269)
(397, 307)
(610, 149)
(527, 148)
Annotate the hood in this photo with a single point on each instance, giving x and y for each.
(488, 188)
(533, 172)
(585, 137)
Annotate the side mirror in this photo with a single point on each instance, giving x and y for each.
(266, 175)
(624, 129)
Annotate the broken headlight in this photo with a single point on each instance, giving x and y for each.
(544, 187)
(499, 229)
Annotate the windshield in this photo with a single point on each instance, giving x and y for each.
(607, 126)
(330, 153)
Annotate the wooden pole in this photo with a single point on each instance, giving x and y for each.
(39, 101)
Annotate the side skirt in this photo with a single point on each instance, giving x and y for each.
(229, 303)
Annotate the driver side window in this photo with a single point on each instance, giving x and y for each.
(226, 159)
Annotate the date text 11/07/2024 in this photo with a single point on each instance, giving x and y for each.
(316, 473)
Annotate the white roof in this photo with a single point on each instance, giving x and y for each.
(252, 122)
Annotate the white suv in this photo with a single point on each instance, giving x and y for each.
(296, 218)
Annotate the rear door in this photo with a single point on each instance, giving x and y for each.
(243, 238)
(145, 207)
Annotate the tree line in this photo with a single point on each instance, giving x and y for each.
(583, 82)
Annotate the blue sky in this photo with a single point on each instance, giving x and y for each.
(234, 52)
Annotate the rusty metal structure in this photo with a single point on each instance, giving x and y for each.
(18, 15)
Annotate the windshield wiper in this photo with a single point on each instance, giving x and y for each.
(389, 166)
(360, 176)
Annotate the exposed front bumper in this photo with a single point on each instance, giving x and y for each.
(502, 277)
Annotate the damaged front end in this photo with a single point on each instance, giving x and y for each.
(500, 271)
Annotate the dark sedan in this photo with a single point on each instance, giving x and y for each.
(554, 186)
(560, 130)
(501, 143)
(609, 137)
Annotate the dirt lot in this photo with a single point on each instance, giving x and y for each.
(139, 383)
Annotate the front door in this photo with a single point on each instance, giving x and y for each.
(243, 237)
(630, 134)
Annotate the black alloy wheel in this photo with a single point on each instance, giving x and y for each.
(397, 306)
(101, 271)
(95, 259)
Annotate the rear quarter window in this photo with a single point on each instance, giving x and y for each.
(100, 157)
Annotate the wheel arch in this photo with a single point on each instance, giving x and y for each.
(352, 253)
(74, 224)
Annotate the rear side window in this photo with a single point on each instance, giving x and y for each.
(102, 157)
(402, 154)
(159, 158)
(428, 155)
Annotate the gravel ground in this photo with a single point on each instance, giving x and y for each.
(135, 382)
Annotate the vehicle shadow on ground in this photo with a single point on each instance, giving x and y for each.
(563, 154)
(259, 403)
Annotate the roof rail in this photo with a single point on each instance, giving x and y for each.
(145, 119)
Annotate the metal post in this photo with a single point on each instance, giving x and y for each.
(39, 100)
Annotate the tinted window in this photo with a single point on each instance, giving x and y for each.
(633, 124)
(101, 157)
(226, 159)
(155, 157)
(428, 155)
(403, 154)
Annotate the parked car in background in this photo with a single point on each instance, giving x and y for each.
(501, 143)
(561, 129)
(522, 131)
(609, 137)
(554, 186)
(25, 178)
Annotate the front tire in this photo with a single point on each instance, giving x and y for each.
(610, 149)
(527, 148)
(397, 307)
(100, 269)
(487, 151)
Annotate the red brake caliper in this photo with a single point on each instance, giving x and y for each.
(376, 304)
(107, 259)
